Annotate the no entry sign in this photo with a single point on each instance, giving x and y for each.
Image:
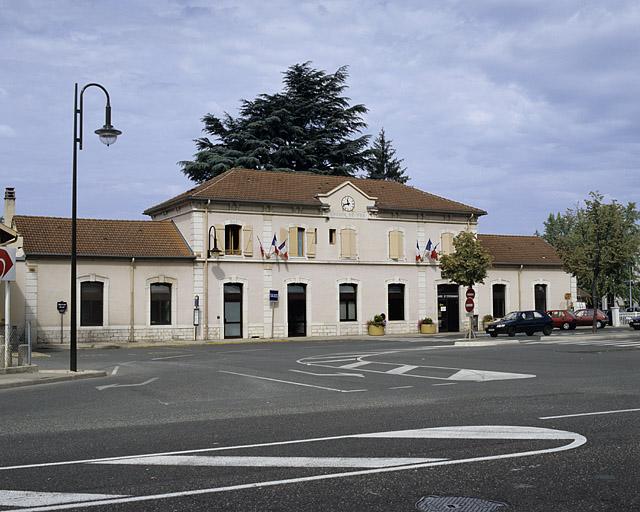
(468, 305)
(471, 293)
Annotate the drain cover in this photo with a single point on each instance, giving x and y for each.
(457, 504)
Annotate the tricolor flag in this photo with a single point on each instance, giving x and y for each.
(283, 251)
(427, 250)
(261, 248)
(434, 253)
(418, 254)
(274, 245)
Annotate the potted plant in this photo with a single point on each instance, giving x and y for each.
(486, 320)
(375, 327)
(426, 326)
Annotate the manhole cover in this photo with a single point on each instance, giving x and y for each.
(457, 504)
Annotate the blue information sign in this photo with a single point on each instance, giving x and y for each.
(273, 295)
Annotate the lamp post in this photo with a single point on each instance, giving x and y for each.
(216, 250)
(108, 135)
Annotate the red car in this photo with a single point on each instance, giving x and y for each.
(563, 319)
(585, 317)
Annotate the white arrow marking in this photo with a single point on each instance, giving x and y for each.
(330, 374)
(100, 388)
(37, 499)
(273, 462)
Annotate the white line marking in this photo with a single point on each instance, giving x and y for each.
(479, 432)
(38, 499)
(330, 374)
(401, 387)
(401, 369)
(587, 414)
(445, 384)
(274, 462)
(100, 388)
(484, 376)
(171, 357)
(294, 383)
(353, 365)
(115, 370)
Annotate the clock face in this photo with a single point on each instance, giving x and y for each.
(348, 203)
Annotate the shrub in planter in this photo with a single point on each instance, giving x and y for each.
(426, 326)
(376, 326)
(486, 320)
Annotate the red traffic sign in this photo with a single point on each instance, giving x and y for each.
(468, 305)
(471, 293)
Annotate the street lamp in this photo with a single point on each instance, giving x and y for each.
(108, 135)
(215, 251)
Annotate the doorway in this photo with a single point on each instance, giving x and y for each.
(233, 310)
(448, 308)
(297, 309)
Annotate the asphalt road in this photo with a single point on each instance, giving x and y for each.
(376, 424)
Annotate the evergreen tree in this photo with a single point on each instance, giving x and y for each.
(382, 163)
(308, 126)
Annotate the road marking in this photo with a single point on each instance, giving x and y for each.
(171, 357)
(101, 388)
(352, 365)
(340, 374)
(115, 370)
(38, 499)
(464, 432)
(402, 369)
(445, 384)
(294, 383)
(274, 462)
(587, 414)
(401, 387)
(484, 376)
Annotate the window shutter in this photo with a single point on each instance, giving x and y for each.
(393, 245)
(447, 243)
(400, 242)
(247, 239)
(220, 237)
(352, 243)
(293, 241)
(311, 244)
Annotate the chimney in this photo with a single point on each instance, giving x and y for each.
(9, 205)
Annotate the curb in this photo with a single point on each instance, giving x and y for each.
(46, 379)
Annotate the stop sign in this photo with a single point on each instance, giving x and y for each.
(468, 305)
(471, 294)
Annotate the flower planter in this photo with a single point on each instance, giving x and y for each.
(376, 330)
(427, 328)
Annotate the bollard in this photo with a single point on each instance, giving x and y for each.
(23, 355)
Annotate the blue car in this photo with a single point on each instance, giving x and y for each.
(528, 322)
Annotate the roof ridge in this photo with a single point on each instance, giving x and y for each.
(514, 236)
(147, 221)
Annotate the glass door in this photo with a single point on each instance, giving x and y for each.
(297, 309)
(233, 310)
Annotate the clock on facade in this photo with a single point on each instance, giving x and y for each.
(348, 203)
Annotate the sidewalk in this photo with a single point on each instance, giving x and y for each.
(19, 376)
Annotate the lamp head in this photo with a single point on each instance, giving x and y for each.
(108, 134)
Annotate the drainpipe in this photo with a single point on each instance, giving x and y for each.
(205, 319)
(132, 293)
(520, 288)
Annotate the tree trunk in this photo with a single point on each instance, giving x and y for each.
(594, 299)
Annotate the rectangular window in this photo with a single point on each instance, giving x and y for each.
(232, 239)
(395, 296)
(91, 303)
(499, 300)
(160, 304)
(300, 241)
(540, 293)
(332, 237)
(348, 308)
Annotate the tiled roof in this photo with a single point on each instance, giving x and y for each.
(97, 237)
(519, 250)
(301, 189)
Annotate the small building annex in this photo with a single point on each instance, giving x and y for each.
(335, 250)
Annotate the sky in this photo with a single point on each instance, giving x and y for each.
(517, 107)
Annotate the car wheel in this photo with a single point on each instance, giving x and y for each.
(598, 324)
(511, 331)
(529, 333)
(493, 334)
(546, 330)
(566, 326)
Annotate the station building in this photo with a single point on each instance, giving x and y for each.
(257, 254)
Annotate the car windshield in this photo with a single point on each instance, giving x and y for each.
(511, 316)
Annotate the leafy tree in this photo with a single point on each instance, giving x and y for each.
(601, 246)
(468, 265)
(557, 227)
(382, 163)
(308, 126)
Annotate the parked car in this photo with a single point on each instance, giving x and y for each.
(563, 319)
(634, 323)
(585, 317)
(528, 322)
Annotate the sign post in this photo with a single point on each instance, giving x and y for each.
(62, 309)
(469, 305)
(273, 300)
(7, 274)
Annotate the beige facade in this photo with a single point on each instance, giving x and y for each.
(345, 238)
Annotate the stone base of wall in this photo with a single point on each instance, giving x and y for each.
(352, 329)
(401, 328)
(117, 335)
(323, 330)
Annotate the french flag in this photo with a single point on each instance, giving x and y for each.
(418, 254)
(281, 250)
(274, 245)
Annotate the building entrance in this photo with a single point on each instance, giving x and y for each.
(448, 308)
(233, 310)
(297, 309)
